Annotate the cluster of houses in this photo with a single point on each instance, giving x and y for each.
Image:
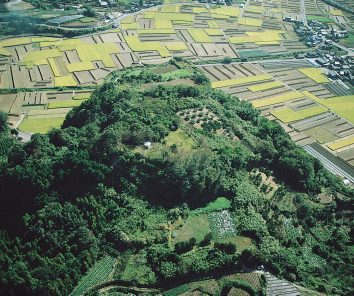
(317, 33)
(323, 38)
(138, 5)
(340, 67)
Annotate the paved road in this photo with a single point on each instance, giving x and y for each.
(330, 162)
(303, 12)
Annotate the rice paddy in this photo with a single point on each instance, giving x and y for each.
(241, 80)
(265, 86)
(341, 143)
(135, 44)
(199, 35)
(315, 74)
(64, 81)
(65, 104)
(287, 115)
(277, 99)
(80, 66)
(41, 125)
(343, 106)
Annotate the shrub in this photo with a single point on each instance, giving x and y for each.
(183, 247)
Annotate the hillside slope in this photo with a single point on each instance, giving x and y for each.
(220, 189)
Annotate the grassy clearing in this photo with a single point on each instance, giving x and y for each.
(241, 242)
(265, 86)
(136, 45)
(40, 125)
(200, 36)
(137, 270)
(317, 18)
(80, 66)
(315, 74)
(221, 203)
(239, 81)
(341, 143)
(288, 115)
(87, 20)
(180, 139)
(64, 104)
(97, 274)
(196, 226)
(348, 41)
(277, 99)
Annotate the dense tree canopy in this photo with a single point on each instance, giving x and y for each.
(90, 188)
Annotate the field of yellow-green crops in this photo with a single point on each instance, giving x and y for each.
(288, 115)
(277, 99)
(136, 45)
(200, 36)
(341, 143)
(315, 74)
(64, 81)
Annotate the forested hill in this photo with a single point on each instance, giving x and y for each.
(91, 189)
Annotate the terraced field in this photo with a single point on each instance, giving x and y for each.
(307, 104)
(301, 97)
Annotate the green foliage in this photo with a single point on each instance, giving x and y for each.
(176, 291)
(221, 203)
(96, 275)
(90, 189)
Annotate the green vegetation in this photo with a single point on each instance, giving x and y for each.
(317, 18)
(348, 41)
(96, 275)
(90, 193)
(40, 125)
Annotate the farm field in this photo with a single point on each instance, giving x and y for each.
(97, 274)
(189, 30)
(292, 92)
(305, 102)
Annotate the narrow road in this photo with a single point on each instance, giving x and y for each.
(303, 12)
(329, 164)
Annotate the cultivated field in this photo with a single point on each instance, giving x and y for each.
(307, 104)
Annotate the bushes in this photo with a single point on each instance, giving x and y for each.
(228, 248)
(239, 284)
(185, 246)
